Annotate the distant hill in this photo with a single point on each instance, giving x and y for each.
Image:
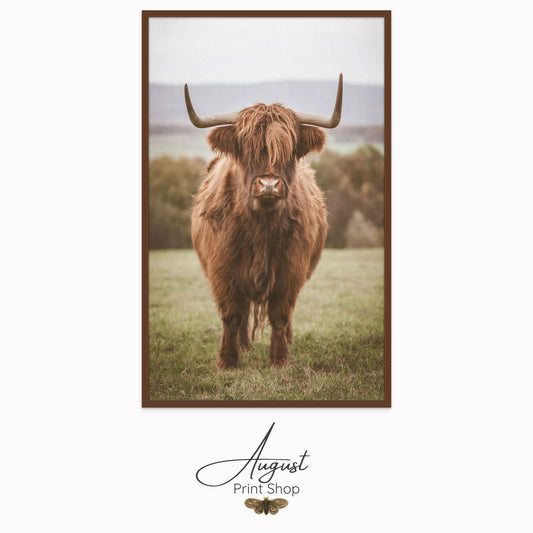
(362, 104)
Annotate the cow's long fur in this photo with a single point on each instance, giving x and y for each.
(257, 256)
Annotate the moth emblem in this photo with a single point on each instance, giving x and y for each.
(266, 506)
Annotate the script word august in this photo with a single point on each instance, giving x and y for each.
(263, 468)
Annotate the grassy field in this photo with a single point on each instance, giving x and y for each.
(338, 346)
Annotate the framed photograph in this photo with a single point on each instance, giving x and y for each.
(266, 209)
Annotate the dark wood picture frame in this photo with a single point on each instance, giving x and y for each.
(146, 401)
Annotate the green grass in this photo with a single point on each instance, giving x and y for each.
(338, 346)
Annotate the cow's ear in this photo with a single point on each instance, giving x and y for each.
(223, 140)
(310, 140)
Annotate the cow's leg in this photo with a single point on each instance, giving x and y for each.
(279, 314)
(228, 355)
(289, 330)
(244, 336)
(232, 317)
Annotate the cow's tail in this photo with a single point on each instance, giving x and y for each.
(258, 314)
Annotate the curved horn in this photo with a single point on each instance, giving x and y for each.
(325, 122)
(207, 122)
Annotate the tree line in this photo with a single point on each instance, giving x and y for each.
(353, 185)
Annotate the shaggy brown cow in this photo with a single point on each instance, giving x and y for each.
(259, 219)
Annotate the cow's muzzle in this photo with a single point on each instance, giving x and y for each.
(267, 187)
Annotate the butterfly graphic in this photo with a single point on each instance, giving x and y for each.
(266, 506)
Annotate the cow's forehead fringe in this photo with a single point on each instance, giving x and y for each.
(267, 131)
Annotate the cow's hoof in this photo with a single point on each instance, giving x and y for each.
(225, 364)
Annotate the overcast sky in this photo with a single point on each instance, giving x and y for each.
(202, 50)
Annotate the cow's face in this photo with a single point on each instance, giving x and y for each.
(267, 141)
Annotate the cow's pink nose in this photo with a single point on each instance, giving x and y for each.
(268, 188)
(269, 185)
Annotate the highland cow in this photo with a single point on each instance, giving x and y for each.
(259, 220)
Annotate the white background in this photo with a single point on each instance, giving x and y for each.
(78, 451)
